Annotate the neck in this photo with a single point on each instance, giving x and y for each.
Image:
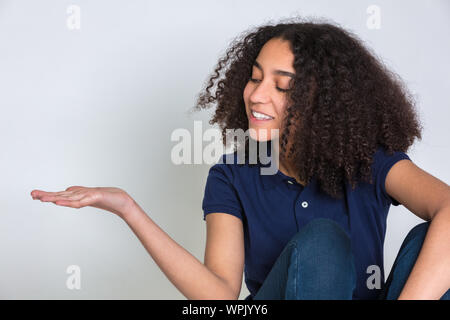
(285, 165)
(286, 168)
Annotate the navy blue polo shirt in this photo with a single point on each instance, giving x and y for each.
(274, 207)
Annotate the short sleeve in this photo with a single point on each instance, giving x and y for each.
(220, 194)
(382, 164)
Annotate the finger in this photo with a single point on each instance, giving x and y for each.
(85, 201)
(57, 197)
(68, 203)
(39, 194)
(73, 188)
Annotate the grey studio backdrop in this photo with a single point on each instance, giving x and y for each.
(95, 104)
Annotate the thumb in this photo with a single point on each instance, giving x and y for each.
(73, 188)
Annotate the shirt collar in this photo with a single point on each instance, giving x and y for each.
(270, 181)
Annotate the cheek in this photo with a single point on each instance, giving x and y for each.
(280, 116)
(280, 110)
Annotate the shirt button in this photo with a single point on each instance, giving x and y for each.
(304, 204)
(290, 182)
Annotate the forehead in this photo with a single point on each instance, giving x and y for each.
(276, 54)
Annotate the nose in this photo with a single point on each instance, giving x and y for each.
(260, 94)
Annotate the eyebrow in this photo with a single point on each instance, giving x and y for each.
(279, 72)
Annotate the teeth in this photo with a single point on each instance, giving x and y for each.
(260, 116)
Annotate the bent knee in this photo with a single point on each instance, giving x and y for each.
(324, 248)
(416, 234)
(322, 232)
(420, 229)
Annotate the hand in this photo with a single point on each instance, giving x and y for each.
(114, 200)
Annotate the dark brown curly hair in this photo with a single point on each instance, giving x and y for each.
(345, 103)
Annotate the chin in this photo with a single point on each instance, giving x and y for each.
(262, 134)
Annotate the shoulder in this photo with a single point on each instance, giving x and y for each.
(235, 170)
(226, 166)
(383, 161)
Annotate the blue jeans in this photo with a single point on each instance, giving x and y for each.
(317, 263)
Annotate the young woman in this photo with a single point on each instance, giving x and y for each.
(315, 229)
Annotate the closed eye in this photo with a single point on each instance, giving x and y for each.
(279, 89)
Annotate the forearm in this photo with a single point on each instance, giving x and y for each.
(190, 276)
(430, 277)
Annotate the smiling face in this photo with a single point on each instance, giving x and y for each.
(265, 92)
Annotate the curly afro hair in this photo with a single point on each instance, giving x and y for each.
(345, 103)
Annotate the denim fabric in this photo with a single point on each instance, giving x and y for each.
(317, 264)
